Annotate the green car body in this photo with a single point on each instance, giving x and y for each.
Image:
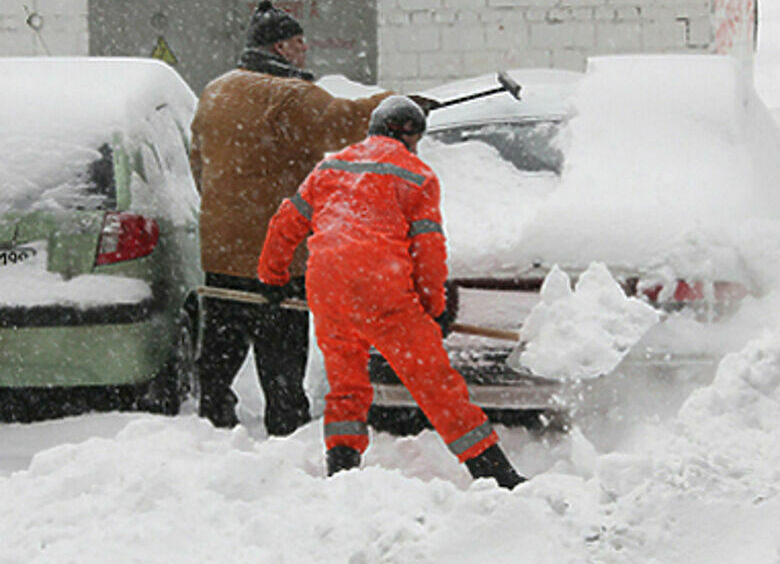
(105, 264)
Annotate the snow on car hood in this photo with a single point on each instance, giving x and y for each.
(667, 159)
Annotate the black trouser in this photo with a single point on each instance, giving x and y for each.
(280, 338)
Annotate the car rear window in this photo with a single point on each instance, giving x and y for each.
(38, 174)
(529, 146)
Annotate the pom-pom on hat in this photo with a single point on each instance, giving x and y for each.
(269, 25)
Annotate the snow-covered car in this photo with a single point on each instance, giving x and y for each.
(646, 166)
(99, 253)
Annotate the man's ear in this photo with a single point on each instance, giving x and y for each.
(278, 48)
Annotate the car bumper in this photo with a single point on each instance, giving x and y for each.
(70, 316)
(493, 385)
(60, 346)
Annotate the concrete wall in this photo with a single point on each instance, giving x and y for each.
(204, 36)
(207, 36)
(425, 42)
(57, 27)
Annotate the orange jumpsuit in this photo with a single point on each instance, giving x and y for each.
(375, 276)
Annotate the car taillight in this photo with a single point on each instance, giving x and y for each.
(126, 236)
(719, 297)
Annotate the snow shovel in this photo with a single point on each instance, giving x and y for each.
(300, 305)
(506, 82)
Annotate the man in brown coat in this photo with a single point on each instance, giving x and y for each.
(258, 131)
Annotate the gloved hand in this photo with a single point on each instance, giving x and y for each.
(274, 294)
(427, 104)
(444, 320)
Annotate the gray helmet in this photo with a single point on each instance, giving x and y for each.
(396, 116)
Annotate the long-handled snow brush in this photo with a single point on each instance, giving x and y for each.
(300, 305)
(506, 85)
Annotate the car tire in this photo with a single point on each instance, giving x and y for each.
(176, 386)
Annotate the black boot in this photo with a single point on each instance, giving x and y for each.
(493, 463)
(342, 458)
(218, 405)
(283, 421)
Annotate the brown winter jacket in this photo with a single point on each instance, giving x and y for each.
(255, 137)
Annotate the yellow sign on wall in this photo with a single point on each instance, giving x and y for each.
(163, 52)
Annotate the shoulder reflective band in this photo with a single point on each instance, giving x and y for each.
(345, 428)
(302, 206)
(424, 226)
(461, 445)
(377, 168)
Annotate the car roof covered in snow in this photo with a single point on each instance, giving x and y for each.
(544, 93)
(81, 95)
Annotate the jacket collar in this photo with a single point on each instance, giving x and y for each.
(258, 60)
(384, 140)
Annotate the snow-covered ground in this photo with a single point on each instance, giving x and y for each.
(699, 483)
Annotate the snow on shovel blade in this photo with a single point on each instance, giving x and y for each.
(580, 333)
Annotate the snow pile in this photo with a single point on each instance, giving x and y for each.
(659, 149)
(705, 488)
(29, 284)
(738, 416)
(41, 288)
(585, 332)
(702, 489)
(180, 491)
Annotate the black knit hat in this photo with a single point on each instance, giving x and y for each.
(269, 25)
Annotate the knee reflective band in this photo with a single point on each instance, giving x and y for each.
(461, 445)
(345, 428)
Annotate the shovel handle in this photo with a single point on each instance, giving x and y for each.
(248, 297)
(300, 305)
(480, 331)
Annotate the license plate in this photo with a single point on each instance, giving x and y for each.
(28, 255)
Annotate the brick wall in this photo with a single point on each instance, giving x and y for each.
(425, 42)
(56, 27)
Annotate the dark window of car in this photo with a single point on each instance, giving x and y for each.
(529, 145)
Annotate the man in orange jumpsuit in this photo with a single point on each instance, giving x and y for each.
(375, 276)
